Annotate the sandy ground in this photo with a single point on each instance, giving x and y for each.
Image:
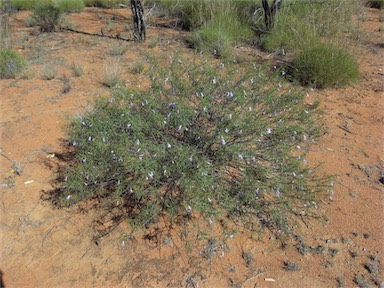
(46, 247)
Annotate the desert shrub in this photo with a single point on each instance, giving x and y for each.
(47, 14)
(297, 25)
(71, 5)
(201, 138)
(323, 65)
(11, 63)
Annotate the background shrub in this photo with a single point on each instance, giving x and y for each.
(297, 25)
(47, 14)
(11, 63)
(71, 5)
(23, 4)
(220, 34)
(198, 139)
(218, 24)
(323, 65)
(65, 5)
(195, 14)
(106, 3)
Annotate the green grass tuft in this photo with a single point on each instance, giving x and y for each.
(217, 24)
(77, 70)
(220, 35)
(323, 65)
(11, 63)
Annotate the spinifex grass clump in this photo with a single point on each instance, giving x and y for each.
(201, 138)
(323, 65)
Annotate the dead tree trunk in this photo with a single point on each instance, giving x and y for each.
(138, 19)
(270, 12)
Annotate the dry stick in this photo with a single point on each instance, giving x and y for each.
(116, 37)
(108, 230)
(345, 129)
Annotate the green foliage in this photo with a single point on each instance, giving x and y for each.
(219, 24)
(323, 65)
(65, 5)
(47, 14)
(71, 5)
(220, 34)
(105, 3)
(195, 14)
(23, 4)
(191, 14)
(11, 63)
(203, 138)
(298, 25)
